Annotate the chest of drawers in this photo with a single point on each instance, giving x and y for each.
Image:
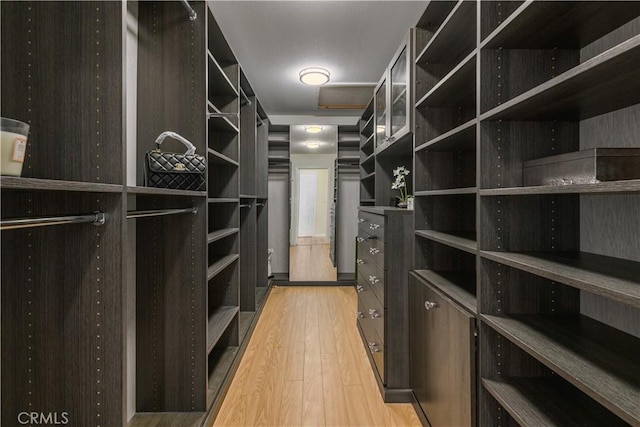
(384, 250)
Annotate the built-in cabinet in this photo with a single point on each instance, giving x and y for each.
(279, 191)
(547, 273)
(130, 314)
(383, 259)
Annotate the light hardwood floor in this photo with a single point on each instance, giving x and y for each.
(311, 262)
(305, 365)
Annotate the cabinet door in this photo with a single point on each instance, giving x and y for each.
(381, 113)
(442, 357)
(399, 103)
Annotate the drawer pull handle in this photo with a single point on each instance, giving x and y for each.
(373, 280)
(374, 313)
(374, 226)
(360, 239)
(374, 251)
(359, 288)
(372, 237)
(359, 261)
(373, 347)
(360, 220)
(360, 315)
(429, 305)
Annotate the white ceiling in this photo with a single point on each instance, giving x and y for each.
(274, 40)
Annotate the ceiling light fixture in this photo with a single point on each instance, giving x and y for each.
(314, 76)
(312, 145)
(313, 129)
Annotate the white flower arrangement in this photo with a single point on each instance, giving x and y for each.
(400, 183)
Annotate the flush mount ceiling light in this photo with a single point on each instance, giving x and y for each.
(314, 76)
(313, 129)
(312, 145)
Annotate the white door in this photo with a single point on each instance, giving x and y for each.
(307, 202)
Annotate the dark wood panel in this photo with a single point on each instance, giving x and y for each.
(262, 245)
(73, 102)
(248, 253)
(248, 177)
(62, 299)
(262, 160)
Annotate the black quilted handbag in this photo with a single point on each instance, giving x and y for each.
(173, 170)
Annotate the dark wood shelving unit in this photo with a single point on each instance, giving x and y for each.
(547, 402)
(37, 184)
(220, 159)
(367, 157)
(447, 192)
(461, 137)
(164, 192)
(219, 321)
(458, 242)
(221, 234)
(220, 264)
(459, 286)
(455, 89)
(220, 83)
(598, 359)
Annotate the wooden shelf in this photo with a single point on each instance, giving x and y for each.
(220, 265)
(38, 184)
(219, 83)
(613, 278)
(602, 84)
(279, 158)
(459, 286)
(367, 200)
(598, 359)
(400, 147)
(446, 192)
(368, 124)
(458, 88)
(368, 144)
(224, 358)
(216, 158)
(369, 158)
(548, 402)
(458, 242)
(610, 187)
(462, 137)
(167, 419)
(572, 24)
(221, 234)
(222, 124)
(366, 177)
(218, 323)
(455, 37)
(222, 200)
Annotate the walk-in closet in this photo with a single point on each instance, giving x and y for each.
(346, 213)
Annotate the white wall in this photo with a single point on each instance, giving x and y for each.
(306, 161)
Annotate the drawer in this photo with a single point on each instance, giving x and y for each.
(377, 349)
(370, 307)
(372, 247)
(371, 224)
(373, 274)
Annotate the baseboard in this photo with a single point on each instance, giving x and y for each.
(346, 277)
(421, 415)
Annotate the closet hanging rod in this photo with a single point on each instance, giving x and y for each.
(97, 218)
(246, 205)
(245, 96)
(222, 114)
(259, 204)
(192, 13)
(160, 212)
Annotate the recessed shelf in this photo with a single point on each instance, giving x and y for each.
(459, 286)
(459, 138)
(219, 321)
(222, 200)
(369, 158)
(458, 88)
(605, 83)
(446, 192)
(220, 265)
(38, 184)
(610, 187)
(219, 83)
(224, 358)
(567, 24)
(216, 158)
(598, 359)
(613, 278)
(463, 243)
(548, 402)
(368, 144)
(367, 126)
(455, 37)
(221, 234)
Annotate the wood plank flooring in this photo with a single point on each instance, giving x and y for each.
(306, 366)
(311, 262)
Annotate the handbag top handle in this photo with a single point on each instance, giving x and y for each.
(191, 149)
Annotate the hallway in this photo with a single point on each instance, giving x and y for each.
(306, 365)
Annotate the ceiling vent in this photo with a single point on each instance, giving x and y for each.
(344, 97)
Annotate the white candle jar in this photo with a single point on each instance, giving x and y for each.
(13, 146)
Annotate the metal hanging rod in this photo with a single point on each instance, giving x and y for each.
(222, 114)
(245, 205)
(160, 212)
(245, 96)
(259, 204)
(98, 218)
(192, 13)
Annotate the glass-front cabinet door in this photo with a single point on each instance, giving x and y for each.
(399, 91)
(381, 112)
